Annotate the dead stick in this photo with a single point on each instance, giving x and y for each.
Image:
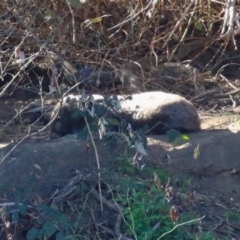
(98, 163)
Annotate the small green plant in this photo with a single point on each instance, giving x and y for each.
(101, 119)
(50, 221)
(146, 214)
(161, 173)
(126, 166)
(16, 210)
(185, 183)
(206, 236)
(176, 138)
(233, 217)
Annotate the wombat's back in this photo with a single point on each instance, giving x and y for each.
(160, 111)
(154, 108)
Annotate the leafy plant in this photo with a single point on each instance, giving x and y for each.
(233, 217)
(185, 183)
(125, 165)
(143, 211)
(15, 210)
(50, 221)
(101, 118)
(175, 137)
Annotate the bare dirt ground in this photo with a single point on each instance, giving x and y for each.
(39, 166)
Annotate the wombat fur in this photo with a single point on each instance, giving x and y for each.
(160, 111)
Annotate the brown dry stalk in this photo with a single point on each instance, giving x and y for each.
(98, 162)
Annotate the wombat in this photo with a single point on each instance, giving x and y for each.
(160, 111)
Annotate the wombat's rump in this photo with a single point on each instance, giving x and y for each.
(163, 110)
(160, 111)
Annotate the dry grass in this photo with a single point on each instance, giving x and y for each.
(110, 33)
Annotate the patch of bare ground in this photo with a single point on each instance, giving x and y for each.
(39, 167)
(214, 175)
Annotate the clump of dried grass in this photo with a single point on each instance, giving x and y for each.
(107, 32)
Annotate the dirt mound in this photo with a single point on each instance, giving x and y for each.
(216, 170)
(40, 163)
(40, 167)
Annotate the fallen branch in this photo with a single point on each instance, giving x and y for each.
(179, 225)
(98, 162)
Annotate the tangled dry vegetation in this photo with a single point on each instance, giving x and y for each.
(113, 33)
(137, 35)
(150, 40)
